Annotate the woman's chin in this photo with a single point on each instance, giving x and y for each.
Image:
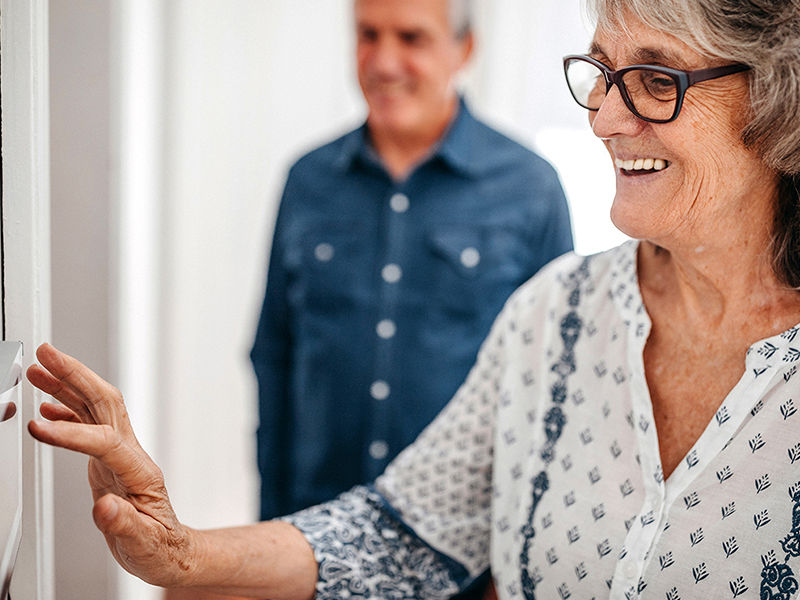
(645, 216)
(629, 221)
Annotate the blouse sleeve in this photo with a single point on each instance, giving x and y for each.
(422, 530)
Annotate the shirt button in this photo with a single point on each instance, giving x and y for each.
(399, 203)
(470, 257)
(631, 570)
(323, 252)
(391, 273)
(378, 449)
(379, 390)
(386, 329)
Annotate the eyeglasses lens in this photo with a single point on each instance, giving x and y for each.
(652, 94)
(587, 84)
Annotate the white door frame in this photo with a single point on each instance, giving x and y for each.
(26, 249)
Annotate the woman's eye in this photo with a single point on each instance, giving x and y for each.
(658, 85)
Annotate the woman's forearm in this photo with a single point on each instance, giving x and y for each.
(266, 560)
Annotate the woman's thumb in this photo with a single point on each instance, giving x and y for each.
(113, 516)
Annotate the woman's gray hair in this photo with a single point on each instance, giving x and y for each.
(764, 34)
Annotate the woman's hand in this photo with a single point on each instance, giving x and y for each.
(131, 506)
(132, 509)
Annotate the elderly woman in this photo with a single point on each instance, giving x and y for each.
(631, 427)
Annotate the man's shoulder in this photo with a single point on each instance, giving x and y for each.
(502, 150)
(329, 155)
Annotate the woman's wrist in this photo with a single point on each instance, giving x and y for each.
(192, 552)
(270, 559)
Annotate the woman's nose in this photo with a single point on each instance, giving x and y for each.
(614, 117)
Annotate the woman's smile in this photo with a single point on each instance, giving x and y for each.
(640, 166)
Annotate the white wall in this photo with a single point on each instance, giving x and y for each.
(232, 125)
(517, 83)
(209, 103)
(79, 166)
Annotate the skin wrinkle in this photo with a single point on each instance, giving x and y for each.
(55, 387)
(716, 194)
(768, 39)
(699, 117)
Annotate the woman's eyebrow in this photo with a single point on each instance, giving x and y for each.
(659, 56)
(595, 51)
(646, 55)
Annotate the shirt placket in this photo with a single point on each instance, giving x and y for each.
(390, 276)
(759, 376)
(627, 582)
(660, 496)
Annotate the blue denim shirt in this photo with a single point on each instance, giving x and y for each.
(379, 294)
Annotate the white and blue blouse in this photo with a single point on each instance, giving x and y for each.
(545, 467)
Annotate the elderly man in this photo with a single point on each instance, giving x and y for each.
(395, 247)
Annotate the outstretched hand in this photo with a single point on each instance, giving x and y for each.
(131, 506)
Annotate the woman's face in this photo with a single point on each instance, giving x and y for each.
(711, 183)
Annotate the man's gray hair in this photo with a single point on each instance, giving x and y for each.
(461, 17)
(460, 12)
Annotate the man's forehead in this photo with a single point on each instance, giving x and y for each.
(410, 14)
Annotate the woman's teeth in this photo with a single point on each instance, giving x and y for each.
(641, 164)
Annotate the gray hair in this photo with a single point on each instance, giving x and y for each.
(764, 34)
(460, 13)
(461, 17)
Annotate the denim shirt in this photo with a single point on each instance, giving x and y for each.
(379, 293)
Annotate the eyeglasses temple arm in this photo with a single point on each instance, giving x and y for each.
(714, 72)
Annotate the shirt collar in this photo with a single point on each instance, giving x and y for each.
(779, 352)
(456, 147)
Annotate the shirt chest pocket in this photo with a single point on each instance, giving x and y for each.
(475, 267)
(326, 266)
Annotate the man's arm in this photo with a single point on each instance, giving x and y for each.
(132, 508)
(554, 229)
(271, 357)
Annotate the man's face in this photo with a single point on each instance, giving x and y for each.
(407, 57)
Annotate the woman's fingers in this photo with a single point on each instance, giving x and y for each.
(131, 468)
(131, 507)
(58, 412)
(77, 386)
(64, 393)
(99, 441)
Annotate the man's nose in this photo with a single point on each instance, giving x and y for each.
(386, 57)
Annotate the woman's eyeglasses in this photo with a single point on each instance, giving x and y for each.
(652, 93)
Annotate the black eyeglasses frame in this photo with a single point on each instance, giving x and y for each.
(683, 80)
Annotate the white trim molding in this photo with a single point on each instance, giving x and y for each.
(26, 241)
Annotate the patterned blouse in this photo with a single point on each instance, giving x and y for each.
(545, 467)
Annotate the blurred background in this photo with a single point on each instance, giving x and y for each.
(173, 124)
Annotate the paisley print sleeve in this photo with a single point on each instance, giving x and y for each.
(365, 552)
